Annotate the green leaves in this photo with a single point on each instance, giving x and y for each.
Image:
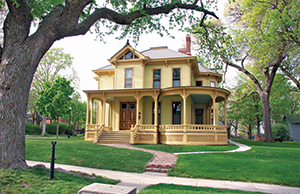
(55, 100)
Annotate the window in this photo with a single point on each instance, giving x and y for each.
(212, 84)
(129, 55)
(199, 116)
(156, 78)
(128, 78)
(176, 77)
(198, 83)
(176, 113)
(153, 113)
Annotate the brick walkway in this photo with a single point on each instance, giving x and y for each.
(161, 162)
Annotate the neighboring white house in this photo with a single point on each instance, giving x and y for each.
(294, 126)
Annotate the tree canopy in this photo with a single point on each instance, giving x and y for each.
(263, 34)
(55, 100)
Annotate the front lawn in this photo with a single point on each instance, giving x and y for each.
(180, 189)
(76, 151)
(276, 163)
(36, 180)
(186, 148)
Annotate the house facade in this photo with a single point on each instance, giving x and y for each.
(157, 96)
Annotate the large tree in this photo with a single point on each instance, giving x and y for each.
(56, 19)
(264, 33)
(54, 63)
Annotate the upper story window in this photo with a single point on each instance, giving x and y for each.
(156, 78)
(128, 78)
(176, 77)
(198, 83)
(129, 55)
(212, 84)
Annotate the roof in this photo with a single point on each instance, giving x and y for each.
(107, 67)
(292, 118)
(162, 52)
(205, 69)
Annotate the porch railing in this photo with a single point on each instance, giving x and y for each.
(138, 128)
(99, 129)
(192, 128)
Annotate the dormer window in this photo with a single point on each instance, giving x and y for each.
(129, 55)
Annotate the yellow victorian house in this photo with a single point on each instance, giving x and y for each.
(156, 96)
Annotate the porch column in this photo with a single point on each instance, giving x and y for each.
(87, 111)
(225, 114)
(214, 111)
(97, 112)
(92, 109)
(184, 110)
(137, 110)
(103, 111)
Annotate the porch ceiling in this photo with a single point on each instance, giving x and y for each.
(200, 98)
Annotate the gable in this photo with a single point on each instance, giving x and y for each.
(125, 54)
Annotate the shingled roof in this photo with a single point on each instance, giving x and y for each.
(162, 52)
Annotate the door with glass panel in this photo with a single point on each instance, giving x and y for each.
(127, 115)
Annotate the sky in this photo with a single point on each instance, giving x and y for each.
(90, 54)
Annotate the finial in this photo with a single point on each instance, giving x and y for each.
(127, 42)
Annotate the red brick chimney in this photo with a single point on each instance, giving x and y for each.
(186, 50)
(188, 45)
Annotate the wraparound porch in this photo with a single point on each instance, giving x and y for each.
(181, 115)
(167, 134)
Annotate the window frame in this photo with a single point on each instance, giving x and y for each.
(173, 112)
(176, 78)
(198, 81)
(156, 79)
(128, 78)
(212, 83)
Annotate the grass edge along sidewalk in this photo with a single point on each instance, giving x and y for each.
(272, 163)
(260, 164)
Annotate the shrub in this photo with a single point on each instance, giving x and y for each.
(51, 128)
(280, 132)
(32, 129)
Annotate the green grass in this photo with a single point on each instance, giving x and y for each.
(180, 189)
(186, 148)
(276, 163)
(76, 151)
(36, 180)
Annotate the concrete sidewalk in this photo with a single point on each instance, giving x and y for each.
(145, 179)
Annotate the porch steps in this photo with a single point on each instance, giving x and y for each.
(119, 137)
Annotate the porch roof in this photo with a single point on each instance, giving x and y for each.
(218, 93)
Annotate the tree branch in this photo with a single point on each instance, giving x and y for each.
(289, 75)
(127, 19)
(254, 92)
(247, 73)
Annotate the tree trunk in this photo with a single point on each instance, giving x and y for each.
(44, 125)
(249, 132)
(57, 128)
(266, 115)
(258, 126)
(235, 128)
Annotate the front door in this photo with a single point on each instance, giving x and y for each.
(127, 115)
